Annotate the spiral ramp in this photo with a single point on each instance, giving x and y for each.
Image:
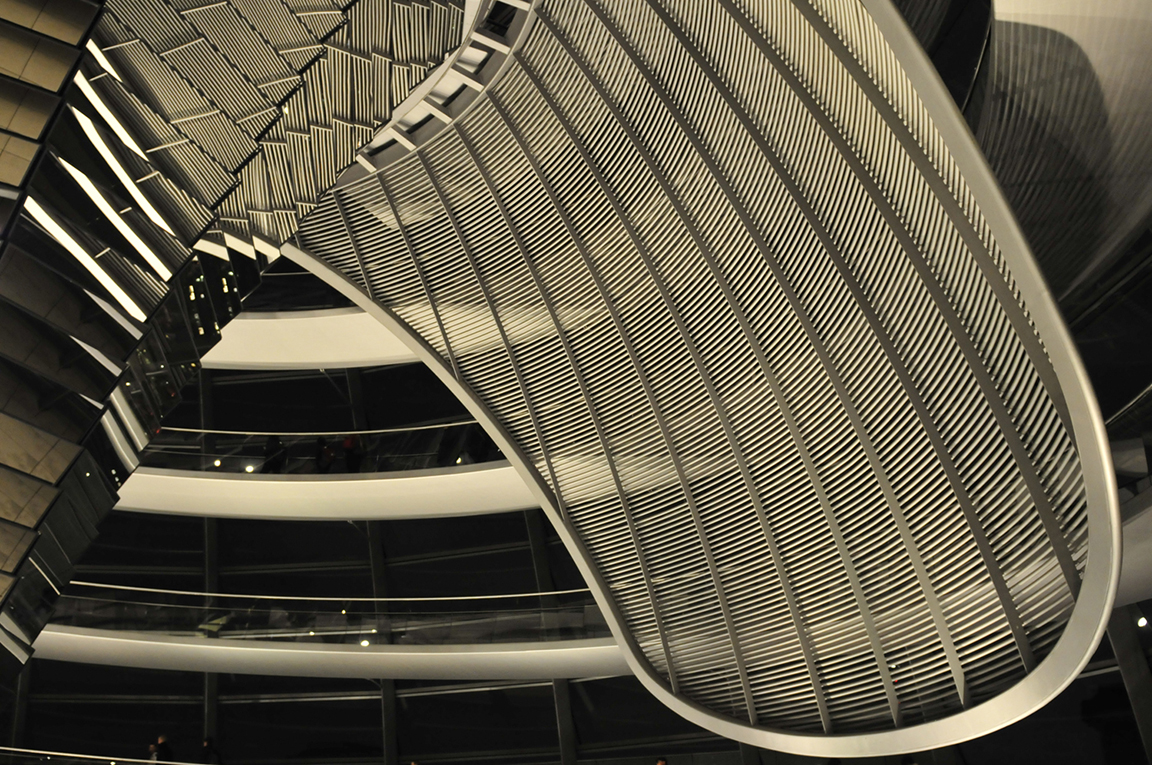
(732, 284)
(772, 351)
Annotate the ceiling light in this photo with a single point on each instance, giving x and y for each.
(102, 149)
(364, 643)
(41, 216)
(121, 225)
(216, 463)
(106, 65)
(249, 468)
(1142, 621)
(90, 93)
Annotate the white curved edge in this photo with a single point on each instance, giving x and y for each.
(334, 338)
(491, 487)
(1090, 616)
(1089, 619)
(541, 660)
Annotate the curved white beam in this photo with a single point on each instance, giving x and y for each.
(333, 338)
(542, 660)
(492, 487)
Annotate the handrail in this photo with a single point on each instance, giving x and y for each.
(73, 756)
(410, 447)
(462, 622)
(408, 429)
(128, 588)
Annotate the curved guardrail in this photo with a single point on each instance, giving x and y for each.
(515, 618)
(413, 447)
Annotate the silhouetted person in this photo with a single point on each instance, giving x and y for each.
(353, 453)
(325, 455)
(275, 455)
(163, 751)
(211, 755)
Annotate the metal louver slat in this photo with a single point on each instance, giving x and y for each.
(304, 82)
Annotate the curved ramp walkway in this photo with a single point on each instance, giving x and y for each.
(509, 636)
(332, 338)
(596, 657)
(491, 487)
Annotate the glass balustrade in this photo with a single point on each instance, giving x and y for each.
(411, 448)
(566, 615)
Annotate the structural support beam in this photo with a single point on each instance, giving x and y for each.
(565, 724)
(538, 542)
(207, 413)
(211, 584)
(388, 722)
(356, 398)
(211, 704)
(20, 706)
(389, 740)
(1134, 669)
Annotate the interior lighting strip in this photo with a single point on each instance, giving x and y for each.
(117, 220)
(104, 151)
(41, 216)
(97, 102)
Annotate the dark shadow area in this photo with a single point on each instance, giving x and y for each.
(285, 286)
(1111, 336)
(954, 33)
(434, 557)
(314, 401)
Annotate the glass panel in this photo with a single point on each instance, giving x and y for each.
(413, 448)
(561, 616)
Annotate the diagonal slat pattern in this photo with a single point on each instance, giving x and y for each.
(256, 107)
